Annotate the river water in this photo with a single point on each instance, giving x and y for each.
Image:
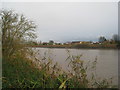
(107, 59)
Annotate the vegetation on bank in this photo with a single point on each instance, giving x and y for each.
(102, 44)
(22, 69)
(80, 46)
(42, 73)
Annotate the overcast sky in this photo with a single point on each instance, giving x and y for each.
(70, 21)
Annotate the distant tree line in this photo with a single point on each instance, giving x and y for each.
(115, 39)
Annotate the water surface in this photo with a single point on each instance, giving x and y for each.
(107, 60)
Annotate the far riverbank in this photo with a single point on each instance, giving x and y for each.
(81, 46)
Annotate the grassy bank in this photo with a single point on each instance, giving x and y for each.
(80, 46)
(20, 73)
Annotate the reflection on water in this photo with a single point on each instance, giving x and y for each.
(107, 65)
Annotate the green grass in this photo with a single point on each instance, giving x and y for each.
(20, 73)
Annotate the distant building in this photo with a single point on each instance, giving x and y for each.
(76, 42)
(57, 43)
(85, 42)
(67, 43)
(81, 42)
(95, 43)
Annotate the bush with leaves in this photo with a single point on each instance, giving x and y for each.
(16, 29)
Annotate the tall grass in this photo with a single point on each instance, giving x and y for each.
(32, 72)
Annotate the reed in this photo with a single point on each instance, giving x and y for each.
(22, 72)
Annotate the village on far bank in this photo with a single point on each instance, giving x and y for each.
(102, 42)
(51, 42)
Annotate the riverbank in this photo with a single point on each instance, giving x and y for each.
(81, 46)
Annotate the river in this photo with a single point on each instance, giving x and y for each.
(107, 59)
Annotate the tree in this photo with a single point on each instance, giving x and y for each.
(51, 42)
(116, 37)
(16, 29)
(102, 39)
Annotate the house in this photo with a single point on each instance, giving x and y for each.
(67, 43)
(81, 42)
(96, 43)
(85, 42)
(76, 42)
